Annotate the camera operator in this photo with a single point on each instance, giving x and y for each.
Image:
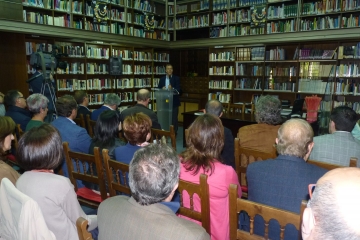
(38, 84)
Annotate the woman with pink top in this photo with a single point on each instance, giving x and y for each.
(204, 145)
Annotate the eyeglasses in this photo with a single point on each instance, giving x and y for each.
(311, 189)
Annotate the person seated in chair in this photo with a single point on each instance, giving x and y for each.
(82, 99)
(148, 213)
(38, 105)
(261, 136)
(112, 101)
(16, 108)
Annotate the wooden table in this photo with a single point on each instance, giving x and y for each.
(231, 121)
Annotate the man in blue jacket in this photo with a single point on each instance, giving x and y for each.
(111, 102)
(16, 108)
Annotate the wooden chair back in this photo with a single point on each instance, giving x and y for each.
(226, 107)
(245, 156)
(328, 166)
(158, 135)
(90, 125)
(202, 190)
(116, 173)
(81, 225)
(74, 160)
(19, 131)
(252, 208)
(237, 108)
(80, 121)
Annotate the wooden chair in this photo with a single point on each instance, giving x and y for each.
(81, 225)
(226, 107)
(80, 121)
(328, 166)
(90, 125)
(237, 108)
(252, 208)
(157, 135)
(74, 160)
(19, 131)
(115, 172)
(202, 190)
(245, 156)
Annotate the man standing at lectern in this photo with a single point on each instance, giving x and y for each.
(172, 82)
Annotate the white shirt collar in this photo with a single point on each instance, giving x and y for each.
(71, 120)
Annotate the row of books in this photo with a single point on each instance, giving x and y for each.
(159, 70)
(220, 4)
(73, 68)
(257, 53)
(116, 14)
(275, 54)
(141, 69)
(73, 50)
(222, 97)
(351, 21)
(48, 4)
(117, 28)
(198, 21)
(250, 2)
(354, 105)
(282, 11)
(222, 56)
(126, 96)
(123, 53)
(312, 86)
(281, 26)
(97, 68)
(240, 16)
(143, 5)
(91, 26)
(216, 32)
(89, 11)
(89, 84)
(220, 84)
(32, 47)
(320, 23)
(221, 70)
(315, 70)
(346, 87)
(243, 54)
(62, 5)
(96, 52)
(181, 8)
(253, 70)
(281, 71)
(39, 18)
(181, 22)
(219, 18)
(242, 30)
(161, 57)
(270, 84)
(77, 24)
(246, 83)
(312, 53)
(160, 24)
(77, 7)
(139, 18)
(348, 70)
(349, 52)
(142, 56)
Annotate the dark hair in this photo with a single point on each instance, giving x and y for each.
(79, 96)
(344, 118)
(153, 173)
(40, 148)
(65, 105)
(136, 127)
(7, 127)
(205, 142)
(107, 129)
(214, 107)
(11, 97)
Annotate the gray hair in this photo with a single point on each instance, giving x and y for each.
(214, 107)
(330, 223)
(153, 173)
(112, 99)
(143, 95)
(36, 102)
(268, 110)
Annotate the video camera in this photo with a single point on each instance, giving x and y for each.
(48, 62)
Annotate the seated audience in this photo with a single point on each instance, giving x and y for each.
(40, 152)
(82, 99)
(340, 145)
(2, 107)
(38, 106)
(261, 136)
(77, 137)
(7, 127)
(143, 99)
(16, 108)
(204, 145)
(148, 213)
(283, 182)
(215, 107)
(333, 211)
(112, 101)
(137, 130)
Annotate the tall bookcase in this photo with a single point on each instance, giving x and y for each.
(125, 17)
(88, 69)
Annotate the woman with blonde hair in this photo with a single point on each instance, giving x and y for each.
(203, 155)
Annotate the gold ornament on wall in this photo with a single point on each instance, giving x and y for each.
(100, 12)
(149, 22)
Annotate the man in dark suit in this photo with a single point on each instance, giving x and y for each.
(143, 99)
(153, 179)
(283, 182)
(112, 101)
(172, 82)
(216, 108)
(77, 137)
(82, 99)
(48, 90)
(16, 108)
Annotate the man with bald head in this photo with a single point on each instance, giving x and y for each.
(283, 182)
(333, 211)
(143, 99)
